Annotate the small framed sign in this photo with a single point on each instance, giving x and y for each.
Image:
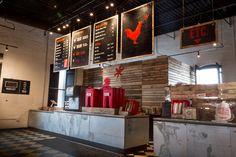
(12, 86)
(198, 35)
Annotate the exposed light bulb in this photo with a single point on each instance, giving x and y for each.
(78, 19)
(214, 44)
(107, 7)
(64, 27)
(112, 4)
(198, 55)
(6, 49)
(67, 25)
(51, 33)
(91, 14)
(58, 29)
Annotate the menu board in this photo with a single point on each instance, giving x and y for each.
(105, 40)
(61, 54)
(12, 86)
(198, 35)
(137, 31)
(80, 48)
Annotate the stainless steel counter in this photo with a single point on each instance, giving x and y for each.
(117, 131)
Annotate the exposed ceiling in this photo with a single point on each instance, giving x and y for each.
(48, 14)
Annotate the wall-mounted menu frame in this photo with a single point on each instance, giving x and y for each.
(105, 40)
(13, 86)
(198, 35)
(137, 32)
(61, 53)
(80, 47)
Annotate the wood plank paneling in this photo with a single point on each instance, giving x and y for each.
(93, 77)
(180, 72)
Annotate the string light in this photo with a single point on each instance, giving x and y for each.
(59, 29)
(112, 4)
(107, 7)
(67, 25)
(91, 14)
(198, 55)
(6, 49)
(64, 27)
(78, 19)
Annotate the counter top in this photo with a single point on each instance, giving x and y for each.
(94, 114)
(215, 123)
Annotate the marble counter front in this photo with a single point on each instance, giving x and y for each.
(117, 131)
(184, 138)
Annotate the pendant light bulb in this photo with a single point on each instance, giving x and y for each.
(6, 49)
(198, 55)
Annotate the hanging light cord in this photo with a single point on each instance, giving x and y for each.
(183, 11)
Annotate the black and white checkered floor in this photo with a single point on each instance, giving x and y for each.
(32, 143)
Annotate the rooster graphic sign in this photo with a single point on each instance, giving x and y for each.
(137, 31)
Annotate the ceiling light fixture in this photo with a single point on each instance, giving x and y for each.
(214, 44)
(67, 25)
(6, 49)
(51, 33)
(59, 29)
(198, 55)
(64, 27)
(112, 4)
(78, 19)
(107, 7)
(91, 14)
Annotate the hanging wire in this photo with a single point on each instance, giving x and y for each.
(183, 11)
(212, 8)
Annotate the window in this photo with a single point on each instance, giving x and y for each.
(209, 74)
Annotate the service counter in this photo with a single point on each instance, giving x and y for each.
(118, 131)
(184, 138)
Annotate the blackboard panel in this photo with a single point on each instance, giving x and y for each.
(81, 40)
(137, 32)
(198, 35)
(61, 53)
(105, 40)
(13, 86)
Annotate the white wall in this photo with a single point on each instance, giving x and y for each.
(225, 56)
(27, 62)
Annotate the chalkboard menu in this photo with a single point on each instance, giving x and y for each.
(137, 33)
(12, 86)
(61, 54)
(105, 40)
(80, 47)
(198, 35)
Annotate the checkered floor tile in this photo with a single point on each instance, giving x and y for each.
(31, 143)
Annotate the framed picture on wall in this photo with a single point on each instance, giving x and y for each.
(137, 31)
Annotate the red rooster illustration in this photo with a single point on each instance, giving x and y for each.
(133, 35)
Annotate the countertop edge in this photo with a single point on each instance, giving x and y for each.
(94, 114)
(214, 123)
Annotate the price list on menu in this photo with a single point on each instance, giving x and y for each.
(61, 55)
(105, 40)
(80, 47)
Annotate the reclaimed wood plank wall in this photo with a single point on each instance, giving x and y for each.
(180, 72)
(93, 77)
(143, 81)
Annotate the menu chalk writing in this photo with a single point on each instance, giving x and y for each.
(105, 40)
(61, 54)
(80, 47)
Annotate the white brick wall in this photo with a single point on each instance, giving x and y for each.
(27, 62)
